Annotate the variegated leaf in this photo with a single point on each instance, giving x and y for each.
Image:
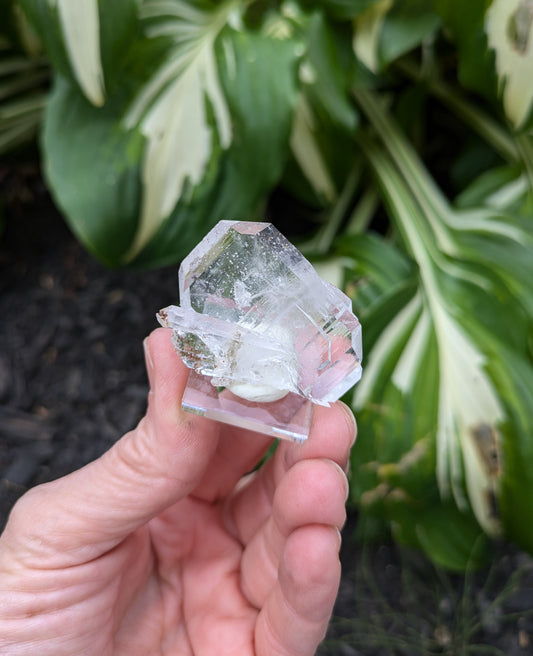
(172, 109)
(87, 42)
(509, 28)
(307, 153)
(80, 23)
(175, 146)
(367, 28)
(469, 411)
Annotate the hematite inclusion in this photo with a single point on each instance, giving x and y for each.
(257, 320)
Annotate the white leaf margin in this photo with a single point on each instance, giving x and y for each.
(171, 110)
(367, 29)
(80, 24)
(514, 55)
(468, 403)
(307, 152)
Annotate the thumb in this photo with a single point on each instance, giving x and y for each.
(146, 471)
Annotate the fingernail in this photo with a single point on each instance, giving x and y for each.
(342, 473)
(351, 419)
(291, 454)
(348, 468)
(346, 482)
(339, 536)
(149, 362)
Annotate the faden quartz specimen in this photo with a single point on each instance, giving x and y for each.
(261, 330)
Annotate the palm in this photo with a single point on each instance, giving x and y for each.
(183, 588)
(204, 567)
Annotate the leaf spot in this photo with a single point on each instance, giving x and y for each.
(519, 26)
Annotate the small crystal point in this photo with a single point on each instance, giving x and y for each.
(256, 318)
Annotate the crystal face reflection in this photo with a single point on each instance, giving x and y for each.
(257, 320)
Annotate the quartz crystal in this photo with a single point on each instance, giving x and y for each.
(258, 324)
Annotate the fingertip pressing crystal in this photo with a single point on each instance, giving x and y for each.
(257, 321)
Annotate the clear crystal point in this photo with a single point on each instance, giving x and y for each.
(256, 318)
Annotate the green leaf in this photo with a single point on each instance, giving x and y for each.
(325, 115)
(181, 111)
(464, 22)
(259, 83)
(516, 380)
(326, 72)
(309, 161)
(403, 492)
(375, 258)
(433, 398)
(87, 41)
(24, 80)
(93, 168)
(389, 29)
(14, 25)
(119, 32)
(341, 9)
(503, 187)
(451, 538)
(405, 27)
(182, 150)
(47, 18)
(80, 27)
(367, 32)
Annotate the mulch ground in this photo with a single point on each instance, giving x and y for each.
(72, 376)
(72, 381)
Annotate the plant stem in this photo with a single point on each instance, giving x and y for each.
(23, 83)
(19, 132)
(525, 147)
(363, 212)
(430, 199)
(13, 111)
(419, 241)
(13, 65)
(321, 243)
(489, 129)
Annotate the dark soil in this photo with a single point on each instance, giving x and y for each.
(72, 381)
(72, 376)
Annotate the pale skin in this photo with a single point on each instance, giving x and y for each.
(164, 546)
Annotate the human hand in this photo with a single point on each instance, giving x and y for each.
(163, 546)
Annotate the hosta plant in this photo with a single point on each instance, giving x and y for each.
(402, 128)
(24, 76)
(164, 117)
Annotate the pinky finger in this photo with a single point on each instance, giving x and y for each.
(296, 614)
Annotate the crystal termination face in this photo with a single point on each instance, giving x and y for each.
(257, 320)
